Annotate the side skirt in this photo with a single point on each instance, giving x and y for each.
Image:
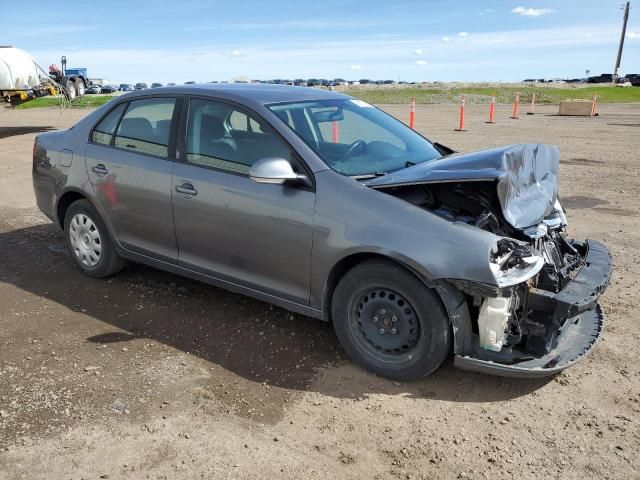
(224, 284)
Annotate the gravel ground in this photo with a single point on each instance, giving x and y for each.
(148, 375)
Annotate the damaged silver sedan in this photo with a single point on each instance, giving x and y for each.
(327, 206)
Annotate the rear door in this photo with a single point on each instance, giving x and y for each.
(130, 163)
(228, 226)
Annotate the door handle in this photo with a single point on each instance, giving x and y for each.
(187, 189)
(100, 169)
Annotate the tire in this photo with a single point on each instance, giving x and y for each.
(69, 89)
(389, 322)
(89, 242)
(80, 87)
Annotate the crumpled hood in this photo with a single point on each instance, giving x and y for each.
(526, 177)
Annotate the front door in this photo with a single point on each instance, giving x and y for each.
(130, 167)
(228, 226)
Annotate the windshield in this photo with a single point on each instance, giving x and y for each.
(355, 138)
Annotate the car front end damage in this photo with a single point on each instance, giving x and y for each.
(543, 324)
(541, 312)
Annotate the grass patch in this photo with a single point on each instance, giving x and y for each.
(88, 101)
(544, 95)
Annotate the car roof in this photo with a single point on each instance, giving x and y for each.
(252, 92)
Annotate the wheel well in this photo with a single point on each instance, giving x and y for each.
(346, 264)
(65, 202)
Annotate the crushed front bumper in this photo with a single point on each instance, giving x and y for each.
(576, 312)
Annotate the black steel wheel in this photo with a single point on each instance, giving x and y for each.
(388, 321)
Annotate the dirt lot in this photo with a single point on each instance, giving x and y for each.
(148, 375)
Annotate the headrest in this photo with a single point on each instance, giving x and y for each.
(212, 127)
(282, 114)
(163, 128)
(139, 128)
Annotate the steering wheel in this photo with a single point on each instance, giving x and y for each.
(352, 148)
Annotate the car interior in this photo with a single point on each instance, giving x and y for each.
(218, 134)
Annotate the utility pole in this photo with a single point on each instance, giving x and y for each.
(616, 72)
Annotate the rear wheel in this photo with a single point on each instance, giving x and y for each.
(89, 242)
(80, 87)
(69, 89)
(389, 322)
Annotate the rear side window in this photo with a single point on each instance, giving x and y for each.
(146, 126)
(103, 133)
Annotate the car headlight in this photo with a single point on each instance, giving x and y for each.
(514, 262)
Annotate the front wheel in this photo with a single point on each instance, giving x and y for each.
(389, 322)
(89, 242)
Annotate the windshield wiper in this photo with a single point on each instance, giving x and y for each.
(367, 176)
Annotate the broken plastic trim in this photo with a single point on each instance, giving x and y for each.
(513, 262)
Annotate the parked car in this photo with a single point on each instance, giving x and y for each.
(324, 205)
(190, 82)
(93, 89)
(126, 87)
(633, 78)
(602, 78)
(156, 85)
(170, 84)
(109, 89)
(140, 86)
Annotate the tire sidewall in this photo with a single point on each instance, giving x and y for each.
(108, 256)
(70, 89)
(80, 88)
(435, 338)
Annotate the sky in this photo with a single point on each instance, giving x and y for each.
(436, 40)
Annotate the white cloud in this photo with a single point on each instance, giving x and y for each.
(532, 12)
(421, 62)
(487, 11)
(235, 54)
(356, 67)
(446, 39)
(463, 34)
(417, 51)
(633, 35)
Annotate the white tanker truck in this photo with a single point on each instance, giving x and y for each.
(21, 79)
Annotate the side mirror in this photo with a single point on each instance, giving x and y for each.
(274, 170)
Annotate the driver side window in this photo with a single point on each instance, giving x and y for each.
(223, 137)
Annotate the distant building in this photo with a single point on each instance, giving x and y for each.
(100, 81)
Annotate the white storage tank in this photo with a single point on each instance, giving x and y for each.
(18, 70)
